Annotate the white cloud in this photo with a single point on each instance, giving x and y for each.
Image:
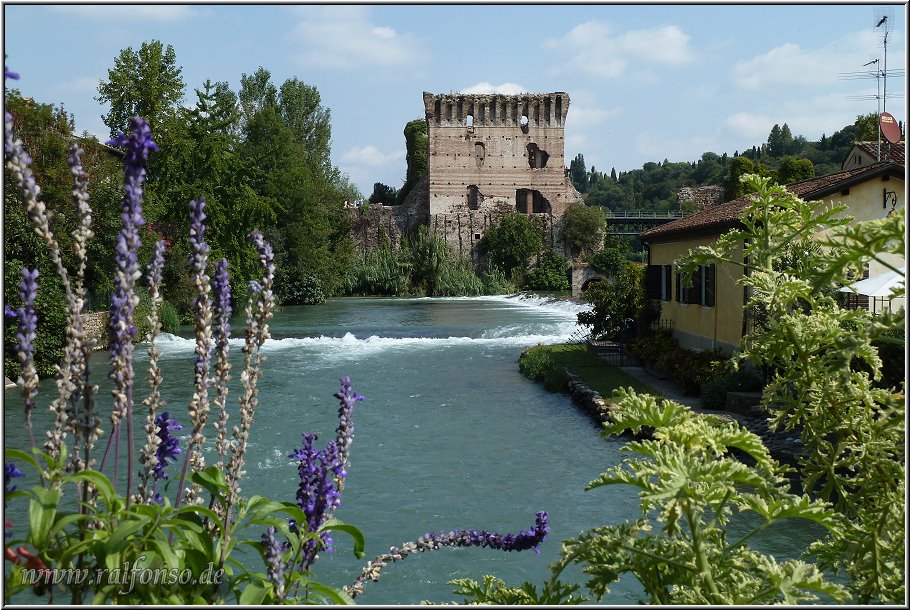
(79, 84)
(595, 48)
(751, 127)
(120, 12)
(502, 89)
(791, 65)
(343, 37)
(371, 156)
(587, 116)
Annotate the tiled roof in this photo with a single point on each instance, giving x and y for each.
(891, 152)
(727, 214)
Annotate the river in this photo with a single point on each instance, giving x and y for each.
(451, 435)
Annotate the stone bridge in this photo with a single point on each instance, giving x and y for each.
(582, 276)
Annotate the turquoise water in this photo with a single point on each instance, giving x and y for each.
(451, 434)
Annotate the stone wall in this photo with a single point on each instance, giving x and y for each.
(96, 328)
(700, 197)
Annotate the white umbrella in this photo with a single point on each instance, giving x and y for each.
(878, 286)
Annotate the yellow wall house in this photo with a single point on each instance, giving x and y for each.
(709, 314)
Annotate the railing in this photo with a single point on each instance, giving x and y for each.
(643, 214)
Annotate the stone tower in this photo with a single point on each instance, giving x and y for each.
(493, 154)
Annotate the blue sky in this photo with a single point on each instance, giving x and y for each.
(646, 82)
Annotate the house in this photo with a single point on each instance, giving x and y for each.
(864, 154)
(710, 313)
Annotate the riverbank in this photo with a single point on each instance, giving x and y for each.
(578, 371)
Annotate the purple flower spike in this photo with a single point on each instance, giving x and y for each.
(317, 494)
(9, 74)
(9, 312)
(28, 325)
(169, 448)
(10, 472)
(347, 397)
(272, 550)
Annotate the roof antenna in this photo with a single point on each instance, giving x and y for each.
(884, 19)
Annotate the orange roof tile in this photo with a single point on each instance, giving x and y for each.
(727, 214)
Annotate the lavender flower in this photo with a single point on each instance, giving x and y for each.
(25, 346)
(347, 397)
(272, 551)
(148, 457)
(9, 312)
(317, 495)
(10, 472)
(199, 405)
(124, 300)
(8, 74)
(529, 539)
(221, 289)
(169, 445)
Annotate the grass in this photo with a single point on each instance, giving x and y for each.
(584, 362)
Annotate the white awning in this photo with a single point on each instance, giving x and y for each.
(878, 286)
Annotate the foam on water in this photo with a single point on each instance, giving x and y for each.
(555, 321)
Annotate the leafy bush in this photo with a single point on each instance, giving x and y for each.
(169, 318)
(615, 303)
(534, 362)
(457, 278)
(496, 282)
(511, 244)
(582, 228)
(550, 274)
(714, 391)
(376, 272)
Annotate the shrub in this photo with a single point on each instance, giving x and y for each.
(534, 362)
(512, 243)
(170, 319)
(714, 391)
(582, 228)
(496, 282)
(550, 274)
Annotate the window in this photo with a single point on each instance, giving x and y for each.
(702, 289)
(473, 197)
(480, 152)
(666, 283)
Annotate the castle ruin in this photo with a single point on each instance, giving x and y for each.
(489, 155)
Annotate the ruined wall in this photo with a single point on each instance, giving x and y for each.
(494, 154)
(700, 197)
(489, 155)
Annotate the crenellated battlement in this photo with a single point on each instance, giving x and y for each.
(490, 110)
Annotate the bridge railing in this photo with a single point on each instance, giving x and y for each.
(622, 214)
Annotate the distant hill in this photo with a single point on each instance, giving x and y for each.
(654, 186)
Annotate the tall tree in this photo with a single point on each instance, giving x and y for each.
(300, 106)
(578, 172)
(144, 83)
(256, 93)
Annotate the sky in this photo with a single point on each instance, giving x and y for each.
(646, 82)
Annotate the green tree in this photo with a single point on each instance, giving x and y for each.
(866, 128)
(741, 166)
(144, 83)
(417, 145)
(792, 169)
(551, 273)
(578, 172)
(583, 228)
(300, 105)
(510, 244)
(383, 194)
(256, 93)
(615, 303)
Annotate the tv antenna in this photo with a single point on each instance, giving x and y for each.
(884, 21)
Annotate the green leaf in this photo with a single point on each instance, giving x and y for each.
(200, 510)
(42, 509)
(335, 596)
(171, 560)
(254, 593)
(212, 479)
(119, 538)
(98, 480)
(16, 454)
(351, 530)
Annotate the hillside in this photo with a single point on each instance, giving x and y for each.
(654, 186)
